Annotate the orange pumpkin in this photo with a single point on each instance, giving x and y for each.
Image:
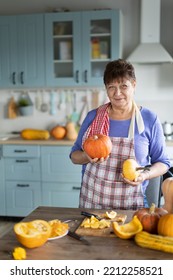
(98, 146)
(165, 225)
(129, 169)
(149, 217)
(167, 189)
(32, 234)
(58, 132)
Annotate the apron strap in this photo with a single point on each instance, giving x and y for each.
(139, 120)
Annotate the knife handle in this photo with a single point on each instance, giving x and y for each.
(75, 235)
(86, 214)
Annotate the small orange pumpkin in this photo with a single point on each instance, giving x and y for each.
(98, 146)
(129, 169)
(32, 234)
(149, 217)
(165, 225)
(58, 132)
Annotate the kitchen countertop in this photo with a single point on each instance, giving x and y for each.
(50, 141)
(68, 248)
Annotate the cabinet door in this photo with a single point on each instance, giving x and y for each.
(8, 46)
(22, 197)
(22, 169)
(101, 43)
(63, 48)
(56, 165)
(30, 50)
(61, 194)
(21, 51)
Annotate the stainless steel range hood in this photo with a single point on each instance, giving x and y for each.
(150, 49)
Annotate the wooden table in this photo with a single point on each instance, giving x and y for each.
(68, 248)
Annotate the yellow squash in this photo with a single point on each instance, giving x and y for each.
(154, 241)
(35, 134)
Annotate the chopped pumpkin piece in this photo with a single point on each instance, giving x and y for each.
(127, 230)
(19, 253)
(57, 228)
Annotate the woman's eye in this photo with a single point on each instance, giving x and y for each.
(111, 88)
(124, 86)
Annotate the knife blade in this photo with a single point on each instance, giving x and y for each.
(78, 237)
(89, 215)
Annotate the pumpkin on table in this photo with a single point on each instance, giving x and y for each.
(32, 234)
(149, 217)
(165, 225)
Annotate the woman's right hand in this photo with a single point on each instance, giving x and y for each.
(95, 160)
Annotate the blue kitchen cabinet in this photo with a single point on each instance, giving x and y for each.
(79, 45)
(22, 51)
(61, 179)
(2, 186)
(22, 179)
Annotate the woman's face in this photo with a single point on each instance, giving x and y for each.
(121, 92)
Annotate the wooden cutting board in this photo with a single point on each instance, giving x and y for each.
(105, 232)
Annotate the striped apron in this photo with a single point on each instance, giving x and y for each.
(102, 184)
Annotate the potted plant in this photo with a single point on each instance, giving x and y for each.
(25, 105)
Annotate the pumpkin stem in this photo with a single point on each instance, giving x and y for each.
(95, 137)
(152, 208)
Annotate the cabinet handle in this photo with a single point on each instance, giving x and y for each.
(22, 160)
(22, 77)
(14, 78)
(76, 188)
(77, 76)
(86, 76)
(23, 185)
(20, 151)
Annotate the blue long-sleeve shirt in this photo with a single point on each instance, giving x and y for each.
(149, 146)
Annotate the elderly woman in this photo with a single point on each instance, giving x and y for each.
(135, 132)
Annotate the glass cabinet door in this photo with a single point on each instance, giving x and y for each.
(62, 49)
(103, 43)
(79, 45)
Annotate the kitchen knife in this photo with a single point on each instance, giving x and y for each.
(147, 167)
(89, 215)
(78, 237)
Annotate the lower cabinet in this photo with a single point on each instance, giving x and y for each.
(61, 179)
(22, 179)
(34, 175)
(60, 195)
(22, 197)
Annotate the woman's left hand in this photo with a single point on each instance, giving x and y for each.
(136, 182)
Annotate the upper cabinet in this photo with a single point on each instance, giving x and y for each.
(22, 51)
(79, 45)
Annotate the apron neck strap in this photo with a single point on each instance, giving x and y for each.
(136, 115)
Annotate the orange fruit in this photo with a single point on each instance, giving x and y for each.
(32, 234)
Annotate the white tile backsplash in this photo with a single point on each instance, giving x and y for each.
(154, 90)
